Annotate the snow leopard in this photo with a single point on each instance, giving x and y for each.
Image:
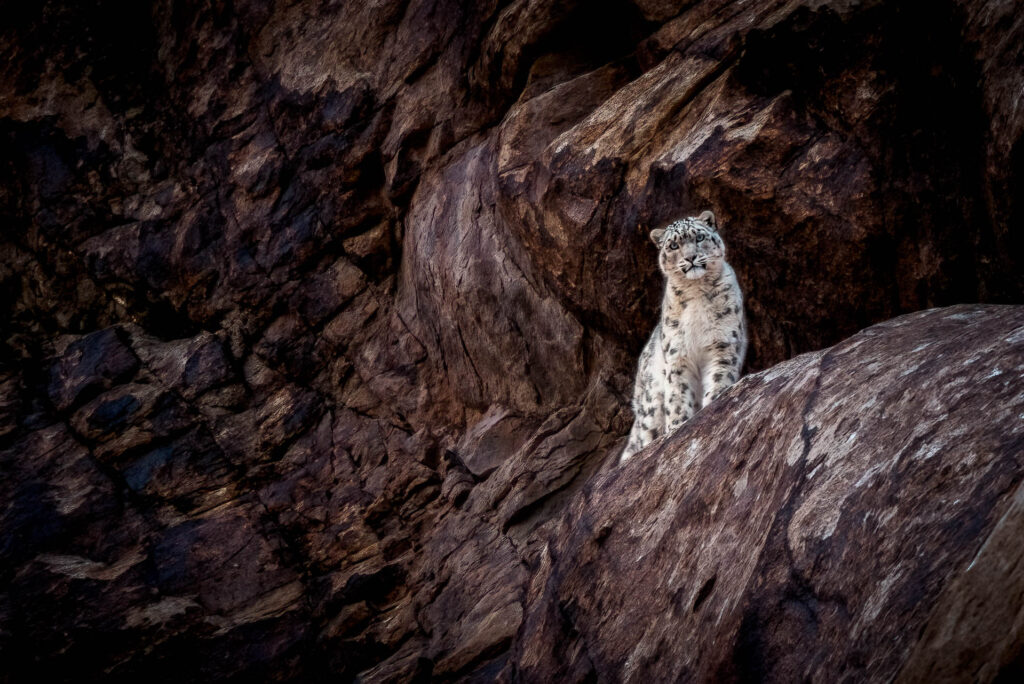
(697, 349)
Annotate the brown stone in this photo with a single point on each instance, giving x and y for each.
(844, 514)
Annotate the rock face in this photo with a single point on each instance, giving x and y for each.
(851, 514)
(317, 317)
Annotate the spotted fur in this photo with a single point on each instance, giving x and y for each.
(696, 351)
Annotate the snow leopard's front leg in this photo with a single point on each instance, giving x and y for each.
(680, 399)
(723, 369)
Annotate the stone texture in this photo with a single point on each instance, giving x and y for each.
(318, 318)
(844, 515)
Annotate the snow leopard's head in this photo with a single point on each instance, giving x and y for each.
(689, 248)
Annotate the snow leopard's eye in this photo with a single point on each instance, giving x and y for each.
(700, 238)
(673, 245)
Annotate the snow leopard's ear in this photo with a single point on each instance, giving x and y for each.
(656, 236)
(708, 217)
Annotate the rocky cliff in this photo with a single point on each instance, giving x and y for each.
(319, 320)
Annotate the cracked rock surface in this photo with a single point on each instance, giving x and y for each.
(844, 515)
(319, 322)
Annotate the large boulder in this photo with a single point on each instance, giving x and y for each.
(851, 514)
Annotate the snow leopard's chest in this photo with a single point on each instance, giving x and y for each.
(700, 327)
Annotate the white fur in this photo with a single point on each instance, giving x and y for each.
(697, 349)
